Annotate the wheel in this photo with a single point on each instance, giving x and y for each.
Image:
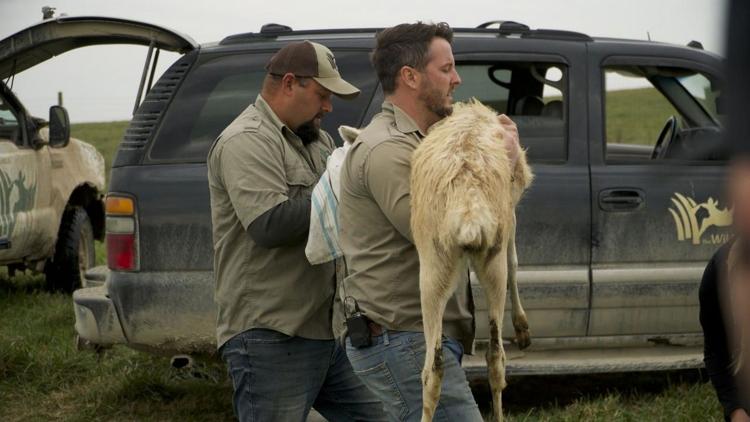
(74, 251)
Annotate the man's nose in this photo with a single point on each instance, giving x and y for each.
(327, 106)
(456, 78)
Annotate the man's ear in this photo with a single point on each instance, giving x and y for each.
(287, 83)
(409, 76)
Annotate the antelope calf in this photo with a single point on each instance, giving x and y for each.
(463, 195)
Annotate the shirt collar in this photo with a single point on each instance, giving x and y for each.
(404, 122)
(266, 111)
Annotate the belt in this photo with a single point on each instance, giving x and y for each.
(375, 328)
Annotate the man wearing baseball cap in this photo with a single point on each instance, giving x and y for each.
(274, 322)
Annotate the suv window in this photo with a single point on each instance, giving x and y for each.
(657, 113)
(532, 94)
(221, 86)
(10, 129)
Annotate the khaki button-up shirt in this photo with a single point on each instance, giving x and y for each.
(255, 164)
(375, 235)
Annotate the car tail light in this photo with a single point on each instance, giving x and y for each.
(122, 233)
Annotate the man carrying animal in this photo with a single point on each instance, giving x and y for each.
(416, 68)
(274, 323)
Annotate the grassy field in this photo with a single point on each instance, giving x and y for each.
(636, 116)
(43, 377)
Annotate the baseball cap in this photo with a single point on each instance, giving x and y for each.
(311, 60)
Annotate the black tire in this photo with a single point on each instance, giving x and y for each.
(74, 251)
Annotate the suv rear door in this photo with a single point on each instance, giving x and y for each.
(44, 40)
(657, 218)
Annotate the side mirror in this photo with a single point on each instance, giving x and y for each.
(59, 127)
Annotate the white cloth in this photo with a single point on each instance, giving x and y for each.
(323, 240)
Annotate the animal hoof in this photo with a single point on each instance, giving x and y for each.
(523, 339)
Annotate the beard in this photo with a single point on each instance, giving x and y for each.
(309, 131)
(434, 100)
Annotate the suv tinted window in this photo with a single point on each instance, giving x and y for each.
(532, 94)
(641, 102)
(220, 87)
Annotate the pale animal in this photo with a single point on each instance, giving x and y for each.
(463, 198)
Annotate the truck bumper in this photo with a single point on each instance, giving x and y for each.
(165, 313)
(96, 319)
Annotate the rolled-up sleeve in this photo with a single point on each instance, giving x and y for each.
(386, 174)
(252, 169)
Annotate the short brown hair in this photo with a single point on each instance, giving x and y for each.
(405, 45)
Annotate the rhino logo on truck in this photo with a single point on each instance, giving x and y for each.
(693, 219)
(15, 196)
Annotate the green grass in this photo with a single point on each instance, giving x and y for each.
(43, 377)
(636, 116)
(666, 396)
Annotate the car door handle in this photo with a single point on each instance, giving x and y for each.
(4, 243)
(625, 200)
(621, 199)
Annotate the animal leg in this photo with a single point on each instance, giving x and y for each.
(520, 323)
(437, 281)
(492, 271)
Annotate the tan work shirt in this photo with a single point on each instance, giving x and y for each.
(374, 214)
(255, 164)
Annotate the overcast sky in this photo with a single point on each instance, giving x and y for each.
(100, 83)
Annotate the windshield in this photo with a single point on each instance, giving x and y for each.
(705, 92)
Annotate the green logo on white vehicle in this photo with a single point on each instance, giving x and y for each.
(16, 195)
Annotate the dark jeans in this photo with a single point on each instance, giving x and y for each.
(392, 369)
(278, 378)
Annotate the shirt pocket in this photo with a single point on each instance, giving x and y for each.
(300, 180)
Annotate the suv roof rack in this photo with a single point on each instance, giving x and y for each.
(274, 30)
(505, 28)
(558, 34)
(523, 30)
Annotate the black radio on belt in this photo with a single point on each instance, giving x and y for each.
(357, 326)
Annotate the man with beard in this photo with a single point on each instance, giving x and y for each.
(274, 322)
(415, 65)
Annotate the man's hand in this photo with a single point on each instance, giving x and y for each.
(739, 415)
(511, 140)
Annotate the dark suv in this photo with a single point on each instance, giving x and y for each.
(626, 208)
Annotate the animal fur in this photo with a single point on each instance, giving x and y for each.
(463, 196)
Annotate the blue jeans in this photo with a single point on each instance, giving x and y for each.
(277, 377)
(392, 369)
